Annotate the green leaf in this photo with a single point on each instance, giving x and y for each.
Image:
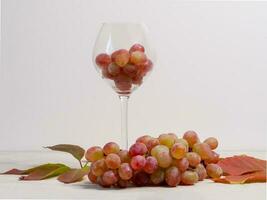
(75, 150)
(73, 175)
(27, 171)
(45, 171)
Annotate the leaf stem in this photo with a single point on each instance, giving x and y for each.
(80, 164)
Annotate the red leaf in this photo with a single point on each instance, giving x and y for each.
(238, 165)
(74, 175)
(246, 178)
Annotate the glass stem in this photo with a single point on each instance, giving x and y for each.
(124, 121)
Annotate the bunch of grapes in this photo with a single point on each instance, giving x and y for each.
(166, 160)
(125, 68)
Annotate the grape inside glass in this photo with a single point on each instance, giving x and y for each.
(124, 58)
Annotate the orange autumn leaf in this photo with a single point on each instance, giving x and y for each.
(239, 165)
(259, 176)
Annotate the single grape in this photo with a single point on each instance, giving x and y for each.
(121, 57)
(151, 165)
(138, 57)
(173, 135)
(193, 158)
(98, 167)
(159, 148)
(182, 164)
(141, 179)
(109, 177)
(111, 147)
(101, 182)
(201, 172)
(191, 137)
(214, 159)
(164, 159)
(166, 140)
(178, 150)
(94, 153)
(137, 149)
(184, 142)
(137, 47)
(189, 178)
(114, 69)
(152, 143)
(130, 70)
(138, 162)
(214, 170)
(125, 171)
(113, 161)
(92, 177)
(157, 177)
(124, 156)
(203, 150)
(103, 60)
(123, 183)
(172, 176)
(144, 139)
(212, 142)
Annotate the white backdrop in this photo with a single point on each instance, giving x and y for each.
(210, 75)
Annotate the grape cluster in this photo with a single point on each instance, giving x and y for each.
(125, 68)
(166, 160)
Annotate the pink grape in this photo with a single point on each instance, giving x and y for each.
(123, 183)
(201, 171)
(114, 69)
(123, 82)
(109, 178)
(193, 158)
(172, 176)
(214, 159)
(98, 167)
(157, 177)
(151, 165)
(138, 162)
(121, 57)
(137, 148)
(164, 159)
(189, 178)
(94, 153)
(182, 164)
(101, 182)
(125, 171)
(178, 150)
(137, 47)
(124, 156)
(103, 60)
(212, 142)
(152, 143)
(159, 148)
(203, 150)
(130, 70)
(144, 139)
(113, 161)
(92, 177)
(214, 170)
(166, 140)
(141, 179)
(191, 137)
(111, 147)
(138, 57)
(184, 142)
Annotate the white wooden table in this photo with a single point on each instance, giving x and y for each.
(10, 187)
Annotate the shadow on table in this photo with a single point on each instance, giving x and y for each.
(93, 186)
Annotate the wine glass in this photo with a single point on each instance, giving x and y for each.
(124, 58)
